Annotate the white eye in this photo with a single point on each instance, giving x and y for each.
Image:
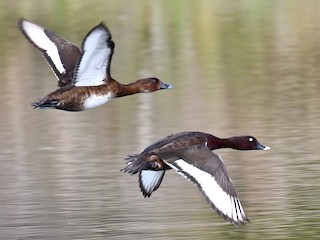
(250, 139)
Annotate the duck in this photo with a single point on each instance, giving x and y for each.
(84, 76)
(190, 154)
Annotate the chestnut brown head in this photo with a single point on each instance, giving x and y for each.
(152, 84)
(246, 143)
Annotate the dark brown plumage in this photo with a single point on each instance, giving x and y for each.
(190, 154)
(83, 75)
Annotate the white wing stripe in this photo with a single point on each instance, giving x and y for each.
(229, 210)
(40, 39)
(233, 209)
(225, 203)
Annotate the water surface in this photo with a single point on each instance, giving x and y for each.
(245, 67)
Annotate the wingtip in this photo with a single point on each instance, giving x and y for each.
(103, 25)
(145, 194)
(242, 223)
(24, 24)
(238, 223)
(20, 21)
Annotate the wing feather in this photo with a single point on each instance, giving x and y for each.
(150, 181)
(60, 54)
(206, 170)
(93, 68)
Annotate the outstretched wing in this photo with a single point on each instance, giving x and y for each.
(60, 54)
(205, 169)
(94, 66)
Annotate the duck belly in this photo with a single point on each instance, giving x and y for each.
(96, 100)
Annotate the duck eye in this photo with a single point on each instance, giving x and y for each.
(154, 80)
(250, 139)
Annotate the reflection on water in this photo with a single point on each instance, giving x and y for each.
(246, 68)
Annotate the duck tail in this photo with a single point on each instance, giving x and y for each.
(136, 163)
(45, 104)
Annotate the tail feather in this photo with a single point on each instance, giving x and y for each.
(136, 163)
(45, 104)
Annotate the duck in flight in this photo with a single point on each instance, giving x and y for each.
(190, 154)
(84, 77)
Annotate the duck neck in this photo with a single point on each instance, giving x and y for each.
(216, 143)
(129, 89)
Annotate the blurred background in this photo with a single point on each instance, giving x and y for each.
(239, 67)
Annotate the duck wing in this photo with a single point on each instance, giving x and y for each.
(149, 181)
(60, 54)
(165, 148)
(93, 67)
(174, 142)
(206, 170)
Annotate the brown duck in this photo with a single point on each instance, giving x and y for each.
(84, 77)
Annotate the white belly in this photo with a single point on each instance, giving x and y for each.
(96, 100)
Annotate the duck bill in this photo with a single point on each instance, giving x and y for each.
(165, 86)
(262, 147)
